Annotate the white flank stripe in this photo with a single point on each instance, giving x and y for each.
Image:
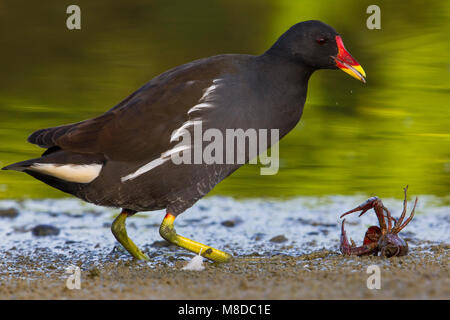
(177, 149)
(145, 168)
(81, 173)
(154, 163)
(210, 90)
(179, 132)
(204, 103)
(199, 107)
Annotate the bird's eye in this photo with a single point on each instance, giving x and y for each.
(321, 41)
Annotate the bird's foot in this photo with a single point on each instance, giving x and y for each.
(119, 231)
(167, 231)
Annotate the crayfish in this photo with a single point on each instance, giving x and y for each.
(382, 239)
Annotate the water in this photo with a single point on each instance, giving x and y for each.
(353, 138)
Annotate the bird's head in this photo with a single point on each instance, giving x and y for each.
(317, 45)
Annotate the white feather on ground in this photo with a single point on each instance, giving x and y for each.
(196, 264)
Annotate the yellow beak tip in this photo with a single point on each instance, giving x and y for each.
(360, 70)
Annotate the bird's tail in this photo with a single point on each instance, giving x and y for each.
(20, 166)
(51, 174)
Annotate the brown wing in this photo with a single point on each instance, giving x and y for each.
(140, 126)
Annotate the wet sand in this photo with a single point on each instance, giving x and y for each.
(423, 274)
(283, 250)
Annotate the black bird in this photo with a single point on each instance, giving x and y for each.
(122, 158)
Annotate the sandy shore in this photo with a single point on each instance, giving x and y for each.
(282, 249)
(423, 274)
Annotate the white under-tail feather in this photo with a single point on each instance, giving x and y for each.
(80, 173)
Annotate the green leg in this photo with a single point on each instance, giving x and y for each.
(119, 231)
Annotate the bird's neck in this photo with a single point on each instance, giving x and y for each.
(296, 72)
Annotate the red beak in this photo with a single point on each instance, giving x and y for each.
(347, 63)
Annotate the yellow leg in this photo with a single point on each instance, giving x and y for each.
(167, 231)
(119, 231)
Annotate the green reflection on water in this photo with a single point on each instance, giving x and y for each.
(353, 138)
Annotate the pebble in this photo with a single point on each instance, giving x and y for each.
(279, 239)
(231, 223)
(9, 213)
(161, 244)
(42, 230)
